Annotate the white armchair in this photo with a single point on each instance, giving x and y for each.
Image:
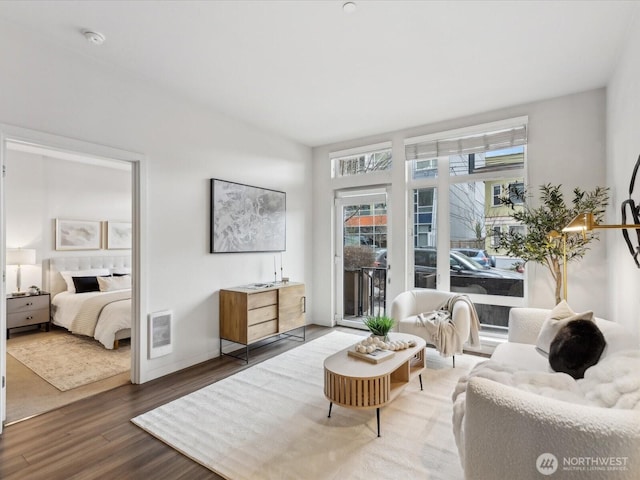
(406, 307)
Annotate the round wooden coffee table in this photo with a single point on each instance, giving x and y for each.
(356, 383)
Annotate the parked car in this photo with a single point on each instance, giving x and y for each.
(479, 255)
(467, 275)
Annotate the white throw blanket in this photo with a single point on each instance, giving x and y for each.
(613, 383)
(444, 333)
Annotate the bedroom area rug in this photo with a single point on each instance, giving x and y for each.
(270, 422)
(67, 361)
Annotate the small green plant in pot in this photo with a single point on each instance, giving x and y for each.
(380, 326)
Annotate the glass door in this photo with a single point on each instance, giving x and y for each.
(362, 264)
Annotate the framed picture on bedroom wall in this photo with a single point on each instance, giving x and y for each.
(246, 218)
(119, 235)
(78, 234)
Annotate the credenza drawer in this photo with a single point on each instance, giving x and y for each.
(262, 299)
(35, 302)
(259, 315)
(23, 319)
(263, 329)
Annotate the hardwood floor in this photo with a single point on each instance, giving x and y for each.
(94, 439)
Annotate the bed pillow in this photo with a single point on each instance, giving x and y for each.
(119, 271)
(68, 275)
(86, 284)
(557, 318)
(110, 284)
(577, 346)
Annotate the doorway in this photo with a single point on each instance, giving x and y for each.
(21, 140)
(362, 264)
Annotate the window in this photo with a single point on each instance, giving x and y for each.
(516, 193)
(485, 166)
(359, 163)
(495, 238)
(497, 195)
(519, 229)
(423, 219)
(425, 168)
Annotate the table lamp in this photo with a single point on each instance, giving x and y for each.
(19, 257)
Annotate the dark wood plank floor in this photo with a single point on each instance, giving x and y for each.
(94, 438)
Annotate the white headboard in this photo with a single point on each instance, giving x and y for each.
(53, 281)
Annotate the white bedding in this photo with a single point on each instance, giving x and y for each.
(114, 317)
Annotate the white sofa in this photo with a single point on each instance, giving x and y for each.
(407, 305)
(507, 417)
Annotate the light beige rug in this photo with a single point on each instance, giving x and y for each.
(67, 361)
(270, 422)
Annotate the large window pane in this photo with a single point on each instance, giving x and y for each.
(479, 211)
(365, 259)
(475, 219)
(424, 239)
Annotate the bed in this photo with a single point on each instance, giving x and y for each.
(103, 313)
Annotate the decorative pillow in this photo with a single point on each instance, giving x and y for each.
(558, 317)
(110, 284)
(86, 284)
(577, 346)
(69, 274)
(119, 271)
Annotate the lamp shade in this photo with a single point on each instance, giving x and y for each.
(583, 222)
(21, 256)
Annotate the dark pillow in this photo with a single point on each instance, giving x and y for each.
(86, 284)
(577, 346)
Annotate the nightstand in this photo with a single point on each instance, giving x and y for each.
(28, 310)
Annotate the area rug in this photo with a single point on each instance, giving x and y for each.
(67, 361)
(270, 422)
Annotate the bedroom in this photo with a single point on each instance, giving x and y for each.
(46, 192)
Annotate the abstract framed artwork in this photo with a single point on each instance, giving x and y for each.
(246, 218)
(78, 234)
(119, 235)
(160, 333)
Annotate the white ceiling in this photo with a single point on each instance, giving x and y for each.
(310, 72)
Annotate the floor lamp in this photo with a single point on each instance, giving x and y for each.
(585, 222)
(19, 257)
(555, 234)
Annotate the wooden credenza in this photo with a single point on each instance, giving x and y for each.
(249, 314)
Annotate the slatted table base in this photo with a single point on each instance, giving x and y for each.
(360, 392)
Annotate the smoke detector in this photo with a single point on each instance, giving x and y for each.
(94, 37)
(349, 7)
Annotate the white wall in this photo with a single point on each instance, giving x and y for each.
(566, 145)
(40, 189)
(56, 91)
(623, 148)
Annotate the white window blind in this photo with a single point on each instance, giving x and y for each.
(473, 143)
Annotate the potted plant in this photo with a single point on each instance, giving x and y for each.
(542, 243)
(380, 326)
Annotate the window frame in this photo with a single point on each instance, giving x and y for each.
(442, 183)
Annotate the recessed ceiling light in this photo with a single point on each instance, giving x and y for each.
(349, 7)
(94, 37)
